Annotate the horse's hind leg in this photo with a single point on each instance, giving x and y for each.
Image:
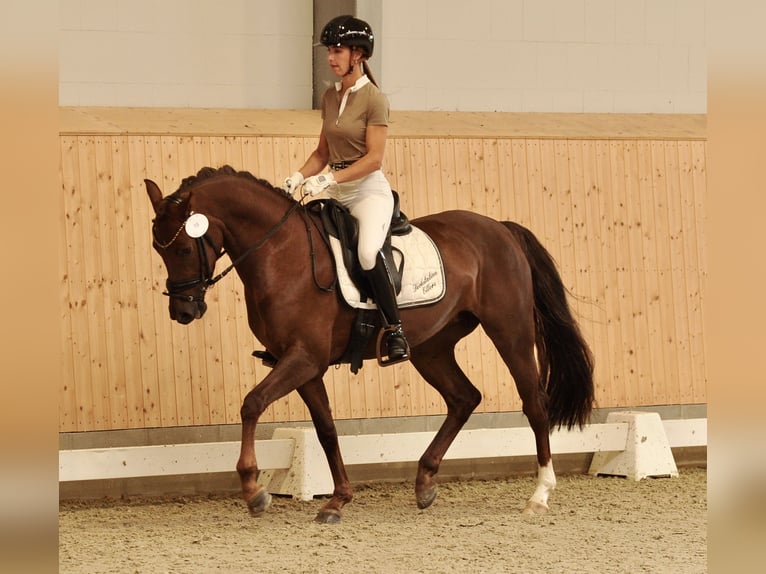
(314, 394)
(435, 361)
(517, 350)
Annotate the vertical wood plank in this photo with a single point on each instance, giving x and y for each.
(679, 347)
(74, 349)
(593, 270)
(114, 383)
(94, 304)
(650, 239)
(638, 349)
(695, 208)
(665, 289)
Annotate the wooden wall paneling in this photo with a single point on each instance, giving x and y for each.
(593, 271)
(145, 294)
(114, 383)
(197, 402)
(691, 271)
(637, 336)
(578, 280)
(677, 273)
(651, 239)
(620, 225)
(667, 341)
(397, 165)
(695, 211)
(433, 190)
(164, 402)
(250, 155)
(491, 169)
(520, 208)
(536, 192)
(450, 190)
(125, 197)
(474, 178)
(94, 303)
(505, 182)
(562, 194)
(609, 276)
(266, 161)
(74, 348)
(418, 175)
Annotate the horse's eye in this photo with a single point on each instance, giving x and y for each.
(183, 251)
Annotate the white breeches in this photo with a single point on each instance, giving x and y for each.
(371, 203)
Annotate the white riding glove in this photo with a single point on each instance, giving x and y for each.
(293, 182)
(318, 183)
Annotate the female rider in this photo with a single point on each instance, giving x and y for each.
(352, 142)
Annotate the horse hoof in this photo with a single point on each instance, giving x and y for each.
(426, 498)
(328, 516)
(259, 503)
(533, 508)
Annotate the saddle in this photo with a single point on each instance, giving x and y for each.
(339, 223)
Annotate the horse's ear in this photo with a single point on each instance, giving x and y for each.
(155, 193)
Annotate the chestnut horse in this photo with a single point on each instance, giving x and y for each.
(498, 276)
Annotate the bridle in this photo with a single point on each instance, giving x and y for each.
(205, 279)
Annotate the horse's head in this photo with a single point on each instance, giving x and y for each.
(189, 246)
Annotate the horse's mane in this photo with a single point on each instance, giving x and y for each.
(225, 170)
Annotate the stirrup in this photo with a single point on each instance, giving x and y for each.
(383, 335)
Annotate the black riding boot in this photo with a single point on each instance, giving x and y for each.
(385, 297)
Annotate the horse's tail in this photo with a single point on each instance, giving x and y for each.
(564, 359)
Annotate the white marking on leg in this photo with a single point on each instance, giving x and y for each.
(546, 483)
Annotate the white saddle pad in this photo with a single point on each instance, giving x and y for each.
(423, 279)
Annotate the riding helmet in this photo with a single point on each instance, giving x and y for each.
(348, 31)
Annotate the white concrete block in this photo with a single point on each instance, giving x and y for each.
(647, 451)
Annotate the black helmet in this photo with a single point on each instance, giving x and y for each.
(348, 31)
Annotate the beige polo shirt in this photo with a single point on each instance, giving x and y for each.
(345, 120)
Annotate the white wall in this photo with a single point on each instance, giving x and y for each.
(186, 53)
(628, 56)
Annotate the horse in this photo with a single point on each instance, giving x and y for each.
(498, 275)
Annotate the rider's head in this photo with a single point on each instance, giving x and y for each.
(348, 31)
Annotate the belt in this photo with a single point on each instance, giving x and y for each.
(341, 165)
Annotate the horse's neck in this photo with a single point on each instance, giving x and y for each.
(249, 215)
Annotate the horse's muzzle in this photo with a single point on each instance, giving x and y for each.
(186, 311)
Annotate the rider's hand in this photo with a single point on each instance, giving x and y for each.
(318, 183)
(293, 182)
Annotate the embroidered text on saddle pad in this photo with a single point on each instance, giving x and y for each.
(423, 279)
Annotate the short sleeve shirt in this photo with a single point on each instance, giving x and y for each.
(346, 135)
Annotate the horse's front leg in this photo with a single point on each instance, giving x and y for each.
(288, 374)
(314, 394)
